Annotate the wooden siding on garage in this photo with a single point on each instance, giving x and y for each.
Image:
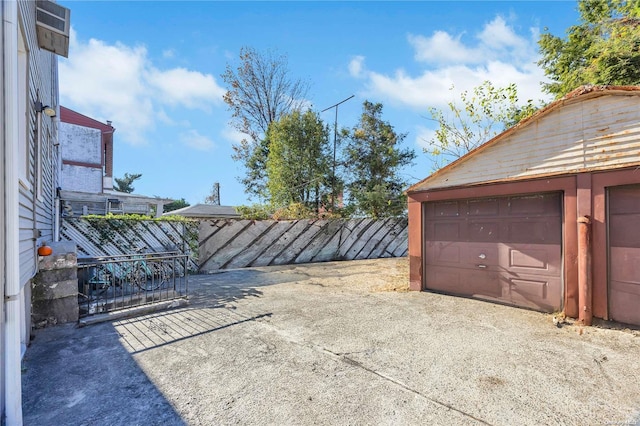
(598, 133)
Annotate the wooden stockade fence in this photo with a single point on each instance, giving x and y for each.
(111, 237)
(230, 243)
(226, 243)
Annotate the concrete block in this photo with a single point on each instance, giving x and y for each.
(56, 275)
(55, 311)
(68, 260)
(63, 247)
(54, 289)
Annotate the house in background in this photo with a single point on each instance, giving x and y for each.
(86, 170)
(543, 216)
(87, 153)
(206, 211)
(33, 34)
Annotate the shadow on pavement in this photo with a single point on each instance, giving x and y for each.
(90, 376)
(84, 376)
(147, 332)
(228, 286)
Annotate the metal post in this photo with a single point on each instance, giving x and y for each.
(335, 139)
(585, 314)
(216, 191)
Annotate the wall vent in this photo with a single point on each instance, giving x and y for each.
(52, 25)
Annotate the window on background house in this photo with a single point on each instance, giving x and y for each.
(23, 145)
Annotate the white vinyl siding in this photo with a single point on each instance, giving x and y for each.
(23, 147)
(38, 178)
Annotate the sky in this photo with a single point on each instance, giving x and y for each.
(154, 69)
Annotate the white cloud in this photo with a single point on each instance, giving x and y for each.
(168, 53)
(498, 54)
(424, 136)
(195, 140)
(497, 40)
(232, 135)
(191, 89)
(355, 66)
(105, 82)
(441, 47)
(432, 87)
(497, 34)
(120, 83)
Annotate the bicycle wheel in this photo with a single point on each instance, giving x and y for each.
(137, 276)
(144, 277)
(102, 279)
(162, 272)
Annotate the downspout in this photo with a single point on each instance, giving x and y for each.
(37, 181)
(585, 314)
(55, 192)
(11, 344)
(56, 167)
(56, 216)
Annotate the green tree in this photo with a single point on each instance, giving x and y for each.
(255, 212)
(603, 49)
(259, 91)
(374, 160)
(175, 205)
(480, 115)
(125, 184)
(298, 164)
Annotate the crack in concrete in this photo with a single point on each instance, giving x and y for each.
(358, 364)
(342, 357)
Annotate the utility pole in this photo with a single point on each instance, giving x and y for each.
(216, 193)
(214, 197)
(335, 139)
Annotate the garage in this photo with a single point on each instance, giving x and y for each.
(624, 254)
(545, 215)
(505, 249)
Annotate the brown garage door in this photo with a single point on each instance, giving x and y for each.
(624, 254)
(507, 249)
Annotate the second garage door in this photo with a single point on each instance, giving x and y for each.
(507, 249)
(624, 254)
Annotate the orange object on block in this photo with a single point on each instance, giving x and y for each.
(44, 251)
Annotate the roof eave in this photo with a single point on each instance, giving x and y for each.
(580, 94)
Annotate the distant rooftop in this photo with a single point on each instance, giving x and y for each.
(206, 211)
(70, 116)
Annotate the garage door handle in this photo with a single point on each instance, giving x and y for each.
(482, 266)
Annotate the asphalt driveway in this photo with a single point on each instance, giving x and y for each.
(331, 343)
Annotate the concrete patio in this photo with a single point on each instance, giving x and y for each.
(331, 343)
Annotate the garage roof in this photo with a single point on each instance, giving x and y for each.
(590, 128)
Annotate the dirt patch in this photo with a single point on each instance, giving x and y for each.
(492, 381)
(400, 287)
(396, 280)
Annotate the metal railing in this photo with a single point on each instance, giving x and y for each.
(110, 283)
